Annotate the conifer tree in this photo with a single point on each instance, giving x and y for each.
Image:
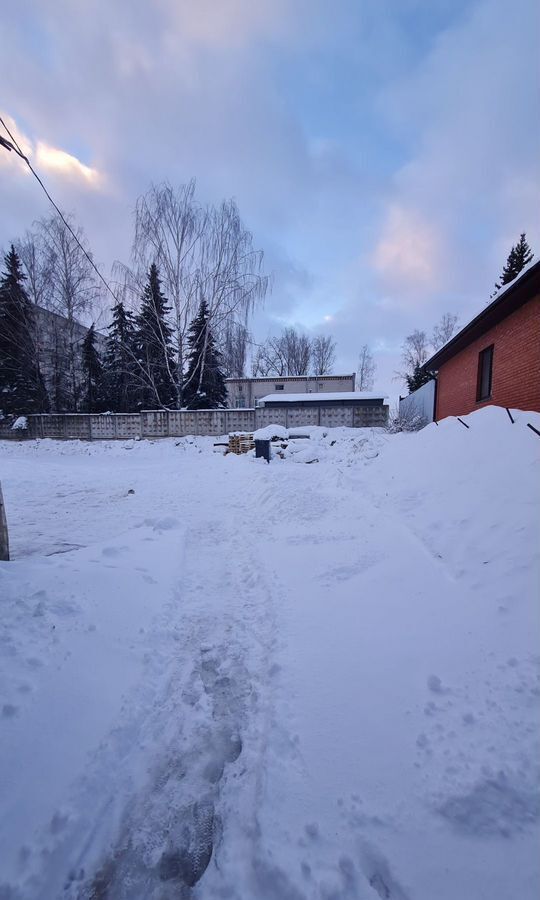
(204, 386)
(520, 256)
(153, 350)
(120, 373)
(21, 384)
(418, 378)
(93, 373)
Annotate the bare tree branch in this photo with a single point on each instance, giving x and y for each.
(365, 376)
(323, 355)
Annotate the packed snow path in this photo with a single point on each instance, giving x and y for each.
(286, 682)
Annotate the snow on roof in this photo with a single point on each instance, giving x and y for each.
(294, 378)
(321, 395)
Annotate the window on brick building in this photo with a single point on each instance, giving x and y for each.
(279, 387)
(485, 371)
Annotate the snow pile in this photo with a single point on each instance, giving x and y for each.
(270, 433)
(20, 424)
(276, 681)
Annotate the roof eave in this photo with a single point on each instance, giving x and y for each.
(518, 292)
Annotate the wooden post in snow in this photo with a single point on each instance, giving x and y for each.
(4, 540)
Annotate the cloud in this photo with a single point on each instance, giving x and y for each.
(465, 114)
(408, 253)
(384, 155)
(65, 164)
(45, 157)
(228, 23)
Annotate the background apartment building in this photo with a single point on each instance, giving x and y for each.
(244, 393)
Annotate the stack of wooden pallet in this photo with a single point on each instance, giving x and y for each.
(241, 442)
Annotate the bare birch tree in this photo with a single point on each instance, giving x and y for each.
(287, 354)
(234, 349)
(444, 330)
(323, 355)
(365, 376)
(37, 267)
(415, 349)
(297, 350)
(269, 360)
(72, 292)
(230, 278)
(169, 226)
(414, 353)
(202, 255)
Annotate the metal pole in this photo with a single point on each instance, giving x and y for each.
(4, 540)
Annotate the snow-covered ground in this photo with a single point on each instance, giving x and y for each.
(226, 679)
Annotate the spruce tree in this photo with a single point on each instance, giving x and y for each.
(93, 373)
(153, 348)
(520, 256)
(22, 388)
(120, 375)
(418, 378)
(204, 383)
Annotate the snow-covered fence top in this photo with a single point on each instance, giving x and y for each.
(177, 423)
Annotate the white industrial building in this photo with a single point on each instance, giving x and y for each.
(245, 393)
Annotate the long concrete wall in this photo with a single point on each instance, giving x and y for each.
(178, 423)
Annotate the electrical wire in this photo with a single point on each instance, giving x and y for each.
(18, 151)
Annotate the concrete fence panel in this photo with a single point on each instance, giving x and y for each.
(307, 416)
(154, 424)
(103, 427)
(77, 428)
(240, 420)
(178, 423)
(265, 416)
(336, 416)
(128, 425)
(52, 426)
(370, 416)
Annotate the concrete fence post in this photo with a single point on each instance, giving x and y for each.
(4, 540)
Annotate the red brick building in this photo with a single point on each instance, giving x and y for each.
(495, 358)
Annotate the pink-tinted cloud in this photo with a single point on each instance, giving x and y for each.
(408, 254)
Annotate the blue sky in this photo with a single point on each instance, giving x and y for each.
(384, 154)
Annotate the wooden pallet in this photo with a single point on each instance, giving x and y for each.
(241, 443)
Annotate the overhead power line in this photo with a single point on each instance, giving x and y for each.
(13, 145)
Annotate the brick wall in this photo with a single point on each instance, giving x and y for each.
(516, 367)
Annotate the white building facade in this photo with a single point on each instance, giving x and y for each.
(245, 393)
